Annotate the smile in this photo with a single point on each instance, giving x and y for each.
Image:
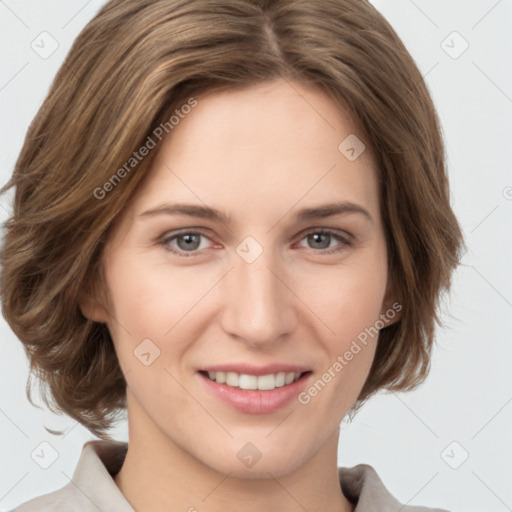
(254, 382)
(255, 390)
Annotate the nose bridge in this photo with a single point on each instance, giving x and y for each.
(258, 306)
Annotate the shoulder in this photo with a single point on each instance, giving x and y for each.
(92, 487)
(62, 500)
(362, 485)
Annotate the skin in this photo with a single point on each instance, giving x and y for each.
(258, 155)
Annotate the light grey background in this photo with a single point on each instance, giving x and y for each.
(415, 440)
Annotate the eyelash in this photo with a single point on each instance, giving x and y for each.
(345, 241)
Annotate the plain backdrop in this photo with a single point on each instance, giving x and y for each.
(447, 444)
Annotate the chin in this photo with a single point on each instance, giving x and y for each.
(246, 461)
(277, 466)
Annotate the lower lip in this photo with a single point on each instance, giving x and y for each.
(255, 401)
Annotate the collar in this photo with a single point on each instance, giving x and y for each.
(100, 460)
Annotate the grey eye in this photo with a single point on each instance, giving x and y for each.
(188, 241)
(320, 240)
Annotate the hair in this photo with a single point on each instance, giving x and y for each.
(134, 64)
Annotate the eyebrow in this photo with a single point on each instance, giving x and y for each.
(205, 212)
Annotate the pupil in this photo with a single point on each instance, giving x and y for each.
(189, 241)
(317, 239)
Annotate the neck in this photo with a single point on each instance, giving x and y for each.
(158, 475)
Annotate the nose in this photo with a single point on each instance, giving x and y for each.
(258, 306)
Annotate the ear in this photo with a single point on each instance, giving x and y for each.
(392, 308)
(92, 307)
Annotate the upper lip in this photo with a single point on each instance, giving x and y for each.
(250, 369)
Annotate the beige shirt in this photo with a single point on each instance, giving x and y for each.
(92, 488)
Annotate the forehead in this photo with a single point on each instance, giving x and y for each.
(260, 150)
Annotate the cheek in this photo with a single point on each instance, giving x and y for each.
(347, 300)
(151, 299)
(349, 303)
(158, 303)
(149, 327)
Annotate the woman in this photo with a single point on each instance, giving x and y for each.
(231, 219)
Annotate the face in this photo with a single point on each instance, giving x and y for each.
(253, 256)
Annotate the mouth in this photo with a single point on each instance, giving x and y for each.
(250, 382)
(255, 390)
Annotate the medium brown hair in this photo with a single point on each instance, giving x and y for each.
(134, 64)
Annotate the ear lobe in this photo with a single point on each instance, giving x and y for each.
(391, 312)
(92, 309)
(392, 308)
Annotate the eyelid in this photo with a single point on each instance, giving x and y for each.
(166, 239)
(345, 235)
(344, 238)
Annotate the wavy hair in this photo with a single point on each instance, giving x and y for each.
(136, 62)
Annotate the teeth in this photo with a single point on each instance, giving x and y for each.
(253, 382)
(232, 379)
(248, 382)
(280, 379)
(289, 378)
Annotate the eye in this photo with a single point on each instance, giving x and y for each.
(322, 238)
(184, 242)
(190, 242)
